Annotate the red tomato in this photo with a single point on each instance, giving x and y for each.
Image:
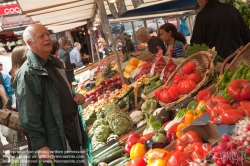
(198, 150)
(239, 89)
(178, 77)
(188, 68)
(194, 76)
(230, 117)
(179, 159)
(211, 103)
(244, 106)
(158, 92)
(138, 161)
(168, 95)
(204, 95)
(187, 138)
(218, 109)
(186, 86)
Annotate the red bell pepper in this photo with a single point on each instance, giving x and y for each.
(132, 139)
(171, 133)
(145, 137)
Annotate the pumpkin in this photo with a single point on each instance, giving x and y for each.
(140, 63)
(129, 69)
(133, 62)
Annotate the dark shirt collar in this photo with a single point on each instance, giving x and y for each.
(43, 62)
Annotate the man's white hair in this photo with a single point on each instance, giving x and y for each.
(142, 31)
(28, 35)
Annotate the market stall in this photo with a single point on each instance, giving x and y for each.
(188, 121)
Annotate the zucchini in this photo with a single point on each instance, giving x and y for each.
(108, 149)
(122, 163)
(109, 157)
(111, 151)
(117, 161)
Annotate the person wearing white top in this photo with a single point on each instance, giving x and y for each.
(5, 59)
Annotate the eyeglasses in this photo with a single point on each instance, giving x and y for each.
(98, 42)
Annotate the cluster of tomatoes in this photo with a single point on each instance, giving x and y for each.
(183, 83)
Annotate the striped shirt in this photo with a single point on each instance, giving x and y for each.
(178, 49)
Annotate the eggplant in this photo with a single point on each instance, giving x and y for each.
(158, 140)
(165, 115)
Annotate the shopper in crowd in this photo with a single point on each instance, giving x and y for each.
(152, 32)
(55, 48)
(128, 45)
(118, 44)
(174, 40)
(47, 109)
(103, 48)
(64, 56)
(5, 82)
(153, 41)
(75, 56)
(220, 25)
(5, 59)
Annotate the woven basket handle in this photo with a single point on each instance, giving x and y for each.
(229, 58)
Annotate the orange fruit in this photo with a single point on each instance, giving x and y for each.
(133, 62)
(126, 75)
(129, 69)
(140, 63)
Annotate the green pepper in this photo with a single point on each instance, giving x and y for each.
(237, 73)
(248, 76)
(222, 83)
(192, 105)
(158, 83)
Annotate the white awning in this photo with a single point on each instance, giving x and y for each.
(59, 28)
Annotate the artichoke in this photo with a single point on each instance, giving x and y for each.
(120, 122)
(110, 108)
(101, 133)
(99, 122)
(112, 136)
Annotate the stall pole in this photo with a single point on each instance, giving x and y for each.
(106, 26)
(98, 55)
(133, 27)
(92, 50)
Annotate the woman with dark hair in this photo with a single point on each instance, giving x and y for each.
(55, 48)
(174, 40)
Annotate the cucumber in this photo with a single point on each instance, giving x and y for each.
(117, 161)
(108, 149)
(109, 157)
(111, 151)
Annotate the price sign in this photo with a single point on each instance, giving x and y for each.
(137, 3)
(121, 6)
(117, 28)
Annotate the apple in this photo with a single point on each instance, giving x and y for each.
(109, 81)
(119, 82)
(97, 95)
(86, 95)
(118, 77)
(102, 82)
(98, 89)
(99, 92)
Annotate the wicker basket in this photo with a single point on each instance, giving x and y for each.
(204, 63)
(241, 55)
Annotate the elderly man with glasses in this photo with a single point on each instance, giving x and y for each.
(5, 59)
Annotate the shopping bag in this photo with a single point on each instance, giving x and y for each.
(183, 28)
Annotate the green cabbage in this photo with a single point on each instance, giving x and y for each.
(101, 133)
